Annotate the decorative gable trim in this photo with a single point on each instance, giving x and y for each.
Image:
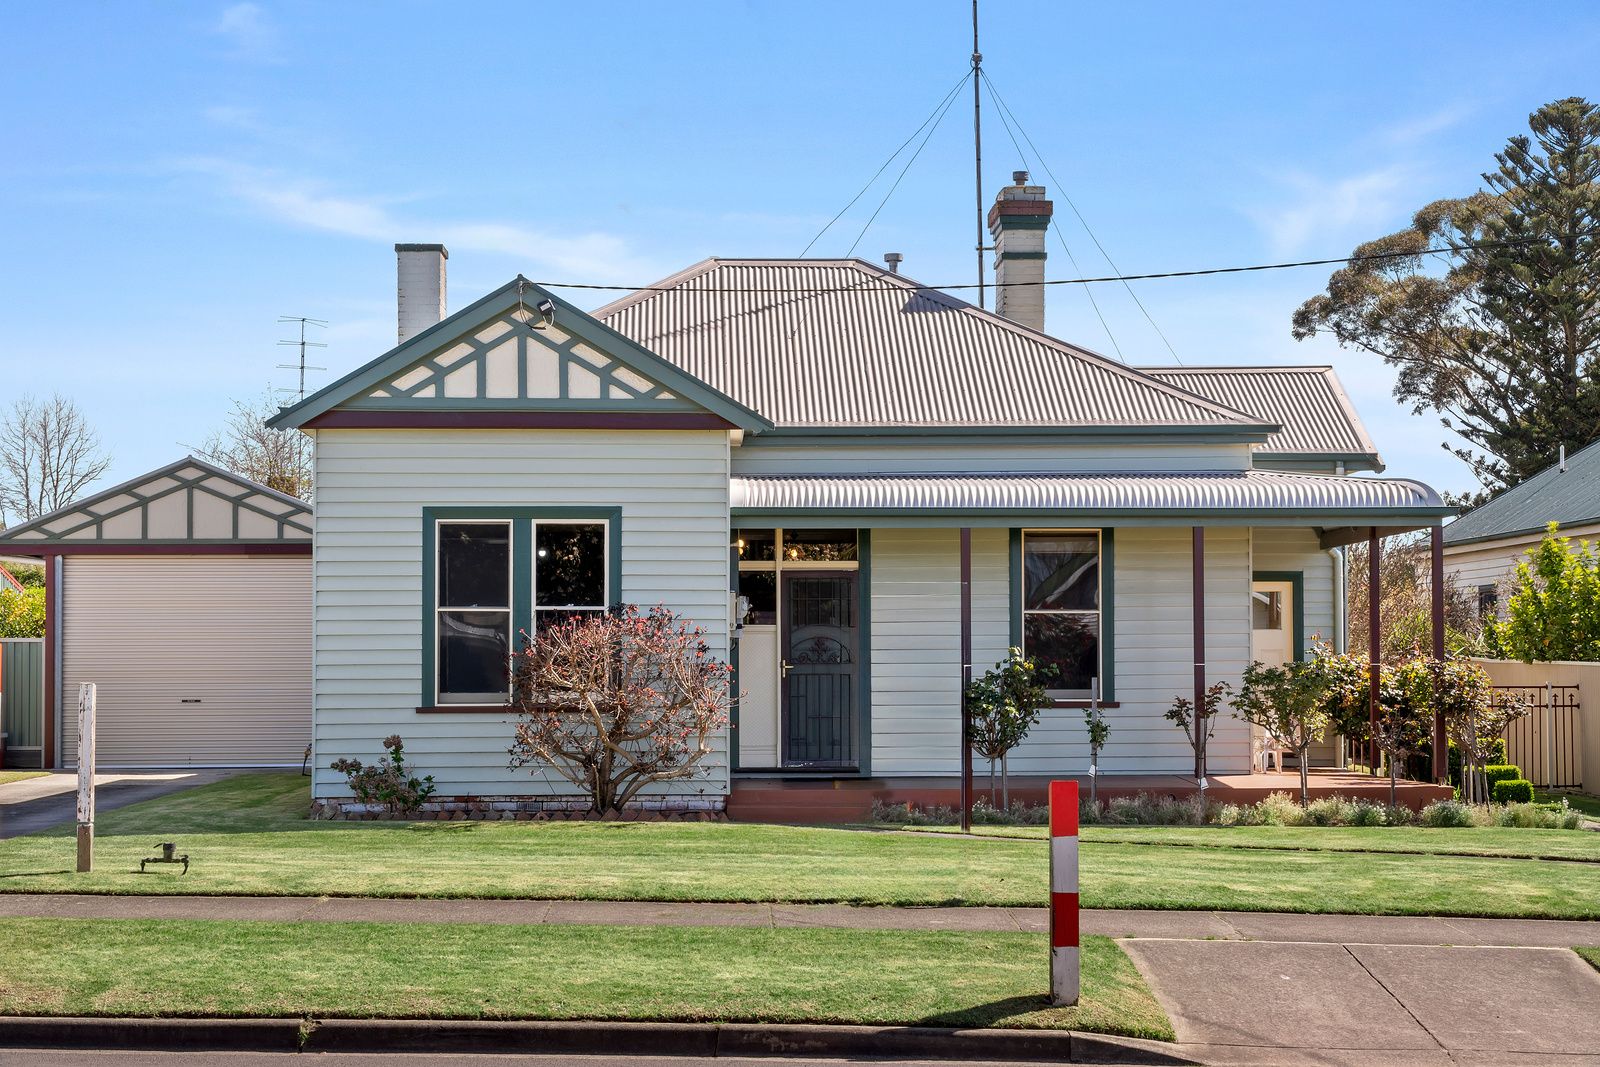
(497, 358)
(188, 503)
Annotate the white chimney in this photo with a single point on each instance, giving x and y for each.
(420, 269)
(1018, 220)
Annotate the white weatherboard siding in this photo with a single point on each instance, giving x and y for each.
(372, 485)
(197, 660)
(887, 458)
(916, 641)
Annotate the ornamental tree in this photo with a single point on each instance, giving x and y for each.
(1003, 704)
(1475, 715)
(619, 701)
(1183, 715)
(1404, 724)
(1554, 609)
(1290, 702)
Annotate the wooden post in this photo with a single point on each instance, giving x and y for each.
(966, 678)
(1199, 578)
(86, 695)
(1374, 648)
(1441, 745)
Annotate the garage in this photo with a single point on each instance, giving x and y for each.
(185, 596)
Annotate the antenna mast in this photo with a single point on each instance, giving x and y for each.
(302, 344)
(977, 142)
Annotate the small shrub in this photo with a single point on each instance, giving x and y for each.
(1446, 813)
(1513, 791)
(905, 814)
(1280, 809)
(388, 782)
(1500, 772)
(1017, 814)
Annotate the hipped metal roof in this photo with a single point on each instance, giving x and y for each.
(1570, 497)
(829, 343)
(1308, 403)
(1248, 494)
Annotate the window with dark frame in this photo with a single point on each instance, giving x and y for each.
(1488, 601)
(474, 628)
(1061, 607)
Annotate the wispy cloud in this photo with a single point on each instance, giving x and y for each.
(250, 33)
(1409, 132)
(1332, 209)
(311, 204)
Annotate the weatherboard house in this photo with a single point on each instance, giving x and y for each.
(858, 486)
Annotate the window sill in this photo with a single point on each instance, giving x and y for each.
(462, 709)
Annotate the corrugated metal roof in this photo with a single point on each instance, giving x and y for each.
(1205, 491)
(1309, 403)
(891, 354)
(1570, 497)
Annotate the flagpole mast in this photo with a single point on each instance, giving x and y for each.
(977, 144)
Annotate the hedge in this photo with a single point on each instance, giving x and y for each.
(1513, 791)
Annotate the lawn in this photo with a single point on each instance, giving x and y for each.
(385, 970)
(7, 777)
(1590, 954)
(247, 835)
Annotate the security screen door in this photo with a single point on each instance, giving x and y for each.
(821, 668)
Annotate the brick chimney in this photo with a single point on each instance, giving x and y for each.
(1018, 220)
(420, 269)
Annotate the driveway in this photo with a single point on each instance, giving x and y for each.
(39, 803)
(1362, 1005)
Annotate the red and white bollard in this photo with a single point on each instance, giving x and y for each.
(1064, 962)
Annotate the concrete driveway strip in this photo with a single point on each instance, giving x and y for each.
(1279, 996)
(1529, 1000)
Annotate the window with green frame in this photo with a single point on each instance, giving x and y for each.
(493, 575)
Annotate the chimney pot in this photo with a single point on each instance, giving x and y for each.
(421, 288)
(1020, 177)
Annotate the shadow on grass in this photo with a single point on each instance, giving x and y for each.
(993, 1014)
(35, 874)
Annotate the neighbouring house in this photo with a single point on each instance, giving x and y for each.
(185, 596)
(859, 487)
(1483, 547)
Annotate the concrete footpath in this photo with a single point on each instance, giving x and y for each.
(1242, 988)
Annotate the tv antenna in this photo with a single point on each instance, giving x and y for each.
(302, 344)
(977, 143)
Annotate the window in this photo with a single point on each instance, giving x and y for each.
(1061, 607)
(501, 573)
(1266, 610)
(474, 611)
(1488, 601)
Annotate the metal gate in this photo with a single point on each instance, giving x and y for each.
(1545, 741)
(22, 700)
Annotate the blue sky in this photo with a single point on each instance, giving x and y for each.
(177, 176)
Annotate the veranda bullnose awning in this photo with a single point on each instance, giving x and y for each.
(1235, 498)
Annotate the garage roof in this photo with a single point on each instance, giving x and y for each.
(188, 503)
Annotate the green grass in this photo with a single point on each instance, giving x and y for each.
(1592, 955)
(1589, 805)
(467, 971)
(7, 777)
(1496, 841)
(247, 835)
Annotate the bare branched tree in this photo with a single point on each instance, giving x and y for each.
(48, 455)
(278, 459)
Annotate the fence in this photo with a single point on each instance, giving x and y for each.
(1544, 742)
(22, 700)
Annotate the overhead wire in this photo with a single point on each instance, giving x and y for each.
(938, 110)
(1002, 111)
(901, 176)
(1061, 190)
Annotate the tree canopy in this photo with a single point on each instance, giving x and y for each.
(1501, 333)
(1554, 609)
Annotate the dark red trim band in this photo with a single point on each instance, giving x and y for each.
(160, 548)
(518, 420)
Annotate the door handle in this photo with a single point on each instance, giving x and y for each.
(786, 667)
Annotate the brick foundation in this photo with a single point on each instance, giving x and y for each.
(527, 809)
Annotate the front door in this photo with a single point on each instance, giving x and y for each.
(820, 668)
(1272, 609)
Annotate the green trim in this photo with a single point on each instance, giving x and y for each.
(1297, 582)
(1020, 222)
(580, 324)
(864, 712)
(522, 520)
(1020, 255)
(1108, 602)
(830, 436)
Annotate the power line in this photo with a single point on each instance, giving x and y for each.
(940, 107)
(1022, 156)
(1062, 189)
(1154, 276)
